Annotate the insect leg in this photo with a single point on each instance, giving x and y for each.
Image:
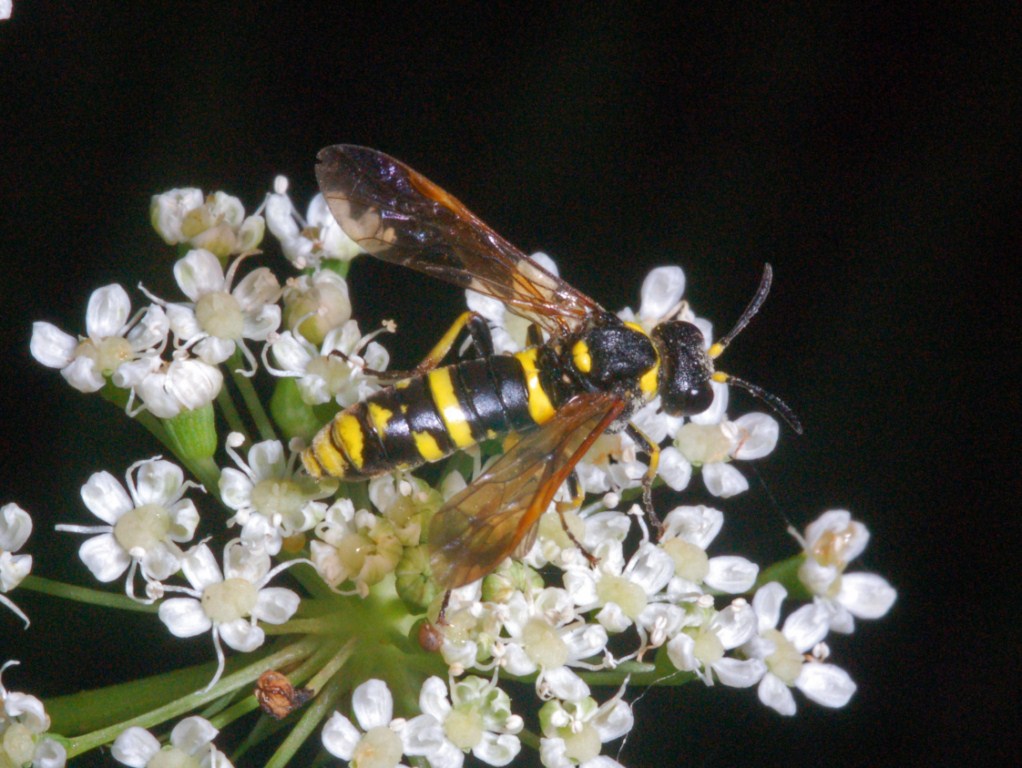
(533, 335)
(477, 329)
(577, 496)
(651, 449)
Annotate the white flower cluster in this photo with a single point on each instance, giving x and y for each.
(642, 606)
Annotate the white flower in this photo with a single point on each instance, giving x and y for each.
(23, 723)
(191, 744)
(216, 223)
(712, 446)
(479, 719)
(15, 528)
(830, 543)
(321, 374)
(315, 304)
(221, 315)
(144, 524)
(688, 532)
(507, 329)
(355, 545)
(784, 654)
(701, 647)
(6, 7)
(183, 384)
(271, 500)
(545, 633)
(574, 732)
(380, 745)
(306, 242)
(113, 338)
(660, 297)
(228, 603)
(623, 592)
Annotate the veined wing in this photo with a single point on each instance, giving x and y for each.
(400, 216)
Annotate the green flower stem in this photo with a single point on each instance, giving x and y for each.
(115, 701)
(230, 412)
(252, 399)
(266, 727)
(85, 595)
(313, 715)
(786, 573)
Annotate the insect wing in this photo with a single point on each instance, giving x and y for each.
(400, 216)
(488, 521)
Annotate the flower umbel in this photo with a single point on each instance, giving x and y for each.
(392, 669)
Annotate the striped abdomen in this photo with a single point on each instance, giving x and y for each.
(426, 418)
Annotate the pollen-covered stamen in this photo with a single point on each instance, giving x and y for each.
(219, 314)
(108, 353)
(142, 528)
(229, 600)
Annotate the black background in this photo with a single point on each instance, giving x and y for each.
(869, 153)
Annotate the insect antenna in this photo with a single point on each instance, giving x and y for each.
(717, 348)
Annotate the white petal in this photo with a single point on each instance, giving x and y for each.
(564, 684)
(723, 480)
(104, 557)
(275, 605)
(13, 570)
(198, 273)
(807, 626)
(372, 704)
(735, 624)
(158, 482)
(235, 488)
(259, 325)
(151, 330)
(827, 685)
(82, 374)
(497, 749)
(697, 525)
(674, 468)
(161, 561)
(135, 747)
(758, 434)
(106, 498)
(661, 291)
(108, 311)
(866, 595)
(15, 527)
(266, 459)
(184, 520)
(681, 652)
(213, 350)
(433, 698)
(651, 568)
(258, 288)
(739, 673)
(241, 635)
(193, 734)
(183, 321)
(51, 346)
(193, 383)
(200, 567)
(767, 602)
(775, 694)
(340, 737)
(731, 574)
(614, 719)
(422, 735)
(184, 617)
(290, 353)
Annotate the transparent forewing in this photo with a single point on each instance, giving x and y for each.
(400, 216)
(485, 523)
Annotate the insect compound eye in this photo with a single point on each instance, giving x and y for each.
(685, 369)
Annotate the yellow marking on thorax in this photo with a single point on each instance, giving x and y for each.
(580, 355)
(427, 446)
(453, 415)
(380, 417)
(540, 408)
(648, 382)
(348, 434)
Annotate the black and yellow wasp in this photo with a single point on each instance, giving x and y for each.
(589, 376)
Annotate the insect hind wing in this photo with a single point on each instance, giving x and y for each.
(496, 514)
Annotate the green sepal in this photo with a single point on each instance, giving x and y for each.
(193, 433)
